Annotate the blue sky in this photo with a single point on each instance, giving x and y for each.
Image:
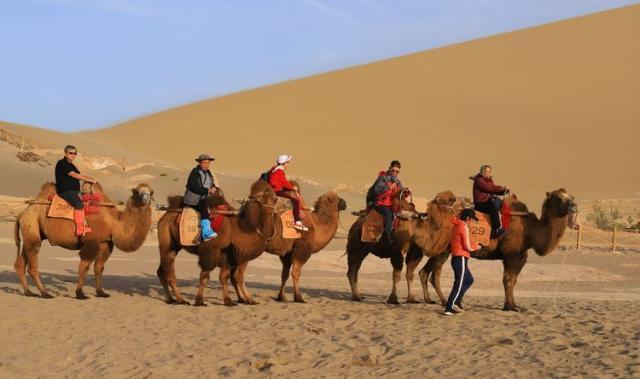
(73, 64)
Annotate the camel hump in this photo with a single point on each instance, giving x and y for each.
(46, 191)
(175, 201)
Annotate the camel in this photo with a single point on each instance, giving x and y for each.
(126, 230)
(323, 224)
(357, 251)
(525, 232)
(247, 233)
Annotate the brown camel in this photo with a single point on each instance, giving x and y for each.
(525, 232)
(401, 249)
(248, 233)
(127, 230)
(323, 223)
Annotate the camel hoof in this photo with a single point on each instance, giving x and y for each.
(299, 299)
(510, 308)
(181, 302)
(251, 302)
(47, 295)
(80, 295)
(200, 302)
(357, 298)
(229, 303)
(412, 300)
(102, 294)
(281, 298)
(393, 299)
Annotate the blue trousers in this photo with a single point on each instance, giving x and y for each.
(387, 214)
(463, 280)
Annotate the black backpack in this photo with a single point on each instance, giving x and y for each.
(265, 176)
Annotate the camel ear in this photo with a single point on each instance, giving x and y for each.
(548, 194)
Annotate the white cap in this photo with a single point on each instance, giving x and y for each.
(284, 158)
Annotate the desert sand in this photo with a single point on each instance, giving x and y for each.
(551, 106)
(580, 320)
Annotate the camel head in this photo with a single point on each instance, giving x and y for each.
(560, 203)
(330, 203)
(141, 195)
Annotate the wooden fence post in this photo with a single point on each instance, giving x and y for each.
(613, 240)
(579, 239)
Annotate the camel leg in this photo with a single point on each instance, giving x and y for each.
(412, 260)
(88, 253)
(355, 260)
(247, 298)
(31, 255)
(235, 272)
(167, 275)
(98, 267)
(435, 277)
(512, 267)
(396, 263)
(297, 264)
(286, 269)
(225, 272)
(202, 284)
(21, 270)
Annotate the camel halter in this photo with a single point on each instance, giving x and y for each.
(274, 214)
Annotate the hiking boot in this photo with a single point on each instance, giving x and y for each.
(457, 308)
(298, 225)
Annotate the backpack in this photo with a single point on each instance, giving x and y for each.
(265, 176)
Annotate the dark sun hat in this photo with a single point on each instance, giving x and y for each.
(204, 157)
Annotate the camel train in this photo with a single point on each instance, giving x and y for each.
(257, 227)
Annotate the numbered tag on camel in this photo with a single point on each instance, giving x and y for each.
(288, 231)
(480, 231)
(372, 227)
(59, 208)
(189, 227)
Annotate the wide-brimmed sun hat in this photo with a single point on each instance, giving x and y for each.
(204, 157)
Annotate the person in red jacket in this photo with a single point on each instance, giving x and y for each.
(283, 188)
(485, 200)
(461, 248)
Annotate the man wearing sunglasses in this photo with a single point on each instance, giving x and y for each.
(68, 179)
(386, 187)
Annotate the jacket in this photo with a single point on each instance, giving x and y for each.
(483, 188)
(461, 244)
(198, 186)
(385, 188)
(278, 180)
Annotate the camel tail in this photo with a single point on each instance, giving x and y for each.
(16, 235)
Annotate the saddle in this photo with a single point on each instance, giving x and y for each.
(285, 209)
(188, 222)
(60, 208)
(373, 226)
(480, 231)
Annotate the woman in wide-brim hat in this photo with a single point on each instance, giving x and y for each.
(200, 184)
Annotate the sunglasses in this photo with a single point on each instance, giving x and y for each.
(72, 153)
(395, 171)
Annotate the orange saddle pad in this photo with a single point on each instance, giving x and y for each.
(372, 227)
(480, 231)
(59, 208)
(189, 227)
(288, 231)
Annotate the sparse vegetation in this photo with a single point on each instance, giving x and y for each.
(606, 218)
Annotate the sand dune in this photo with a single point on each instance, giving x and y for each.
(549, 106)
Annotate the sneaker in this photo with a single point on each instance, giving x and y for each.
(449, 313)
(300, 226)
(457, 308)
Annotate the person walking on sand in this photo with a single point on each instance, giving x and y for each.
(68, 179)
(283, 188)
(201, 184)
(461, 248)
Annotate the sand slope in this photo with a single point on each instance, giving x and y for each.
(550, 106)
